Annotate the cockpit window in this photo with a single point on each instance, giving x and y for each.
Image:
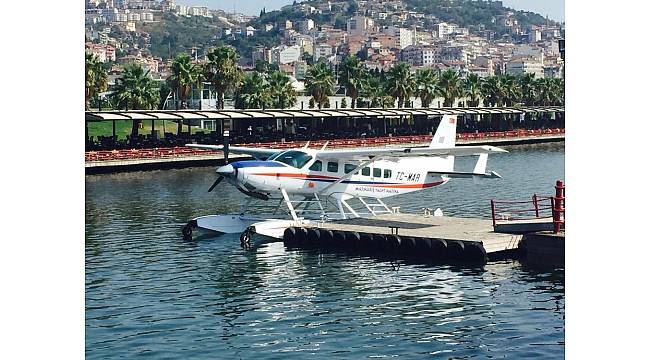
(294, 158)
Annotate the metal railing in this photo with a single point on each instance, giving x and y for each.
(538, 207)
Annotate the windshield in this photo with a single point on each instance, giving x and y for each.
(294, 158)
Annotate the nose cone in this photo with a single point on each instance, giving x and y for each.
(226, 170)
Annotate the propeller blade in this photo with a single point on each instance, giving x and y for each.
(216, 182)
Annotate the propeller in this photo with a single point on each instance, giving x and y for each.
(223, 171)
(226, 145)
(216, 182)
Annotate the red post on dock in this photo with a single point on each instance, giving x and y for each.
(558, 206)
(536, 205)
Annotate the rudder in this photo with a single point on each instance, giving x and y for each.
(445, 135)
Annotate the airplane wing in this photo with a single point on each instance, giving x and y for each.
(258, 153)
(363, 154)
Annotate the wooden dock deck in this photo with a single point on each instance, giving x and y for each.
(407, 235)
(433, 227)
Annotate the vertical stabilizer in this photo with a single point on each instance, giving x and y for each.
(445, 137)
(446, 134)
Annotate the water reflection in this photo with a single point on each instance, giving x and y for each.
(150, 292)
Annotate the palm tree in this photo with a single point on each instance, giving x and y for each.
(222, 71)
(550, 91)
(374, 91)
(450, 87)
(184, 76)
(135, 90)
(492, 91)
(427, 85)
(254, 92)
(400, 83)
(283, 94)
(512, 91)
(472, 87)
(319, 83)
(528, 88)
(351, 74)
(557, 85)
(96, 78)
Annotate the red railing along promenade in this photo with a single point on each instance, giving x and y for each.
(179, 151)
(538, 207)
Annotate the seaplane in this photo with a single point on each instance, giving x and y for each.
(310, 185)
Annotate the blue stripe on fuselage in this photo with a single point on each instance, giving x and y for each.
(256, 163)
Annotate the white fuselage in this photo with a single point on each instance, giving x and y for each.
(379, 179)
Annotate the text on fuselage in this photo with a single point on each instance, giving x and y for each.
(413, 177)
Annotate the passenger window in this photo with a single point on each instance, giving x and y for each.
(387, 173)
(316, 166)
(365, 171)
(348, 168)
(332, 167)
(376, 172)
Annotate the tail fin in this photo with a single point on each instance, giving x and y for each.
(445, 137)
(446, 134)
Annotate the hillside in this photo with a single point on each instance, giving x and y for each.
(173, 34)
(474, 14)
(180, 34)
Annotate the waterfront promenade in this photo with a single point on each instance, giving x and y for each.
(178, 157)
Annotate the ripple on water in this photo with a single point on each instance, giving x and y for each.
(149, 292)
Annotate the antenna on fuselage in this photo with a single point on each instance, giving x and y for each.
(323, 148)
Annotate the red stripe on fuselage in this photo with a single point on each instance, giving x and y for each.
(297, 176)
(390, 186)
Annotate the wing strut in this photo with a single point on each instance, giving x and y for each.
(289, 204)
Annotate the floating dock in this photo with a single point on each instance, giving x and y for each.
(408, 235)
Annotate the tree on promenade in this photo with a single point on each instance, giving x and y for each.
(529, 88)
(283, 94)
(472, 89)
(492, 91)
(135, 90)
(254, 92)
(427, 85)
(450, 87)
(319, 83)
(222, 71)
(400, 83)
(374, 91)
(185, 75)
(351, 74)
(557, 85)
(512, 90)
(96, 78)
(550, 91)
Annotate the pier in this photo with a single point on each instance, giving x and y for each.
(408, 235)
(427, 237)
